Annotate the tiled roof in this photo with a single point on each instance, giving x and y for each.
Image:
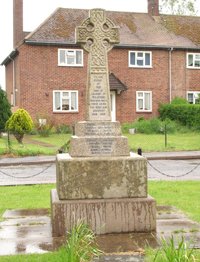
(136, 29)
(116, 84)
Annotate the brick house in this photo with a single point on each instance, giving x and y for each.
(157, 59)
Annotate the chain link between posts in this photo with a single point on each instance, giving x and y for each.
(167, 175)
(156, 169)
(25, 177)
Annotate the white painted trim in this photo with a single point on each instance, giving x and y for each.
(113, 105)
(187, 60)
(143, 110)
(193, 92)
(64, 111)
(70, 65)
(136, 66)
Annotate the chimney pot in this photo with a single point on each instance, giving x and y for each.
(18, 34)
(153, 7)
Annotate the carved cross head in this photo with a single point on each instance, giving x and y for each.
(97, 30)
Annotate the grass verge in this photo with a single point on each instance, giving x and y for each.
(36, 145)
(184, 195)
(156, 143)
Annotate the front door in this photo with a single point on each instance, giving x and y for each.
(113, 105)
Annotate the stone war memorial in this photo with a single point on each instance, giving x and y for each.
(100, 182)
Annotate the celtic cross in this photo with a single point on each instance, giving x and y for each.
(97, 35)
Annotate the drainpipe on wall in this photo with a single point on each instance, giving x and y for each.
(14, 93)
(170, 74)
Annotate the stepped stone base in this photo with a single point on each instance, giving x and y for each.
(103, 215)
(101, 177)
(98, 146)
(98, 138)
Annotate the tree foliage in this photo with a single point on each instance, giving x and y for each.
(19, 123)
(178, 7)
(5, 109)
(186, 114)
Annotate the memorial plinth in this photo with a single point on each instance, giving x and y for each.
(99, 181)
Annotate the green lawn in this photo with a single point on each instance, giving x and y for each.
(184, 195)
(36, 145)
(24, 197)
(175, 142)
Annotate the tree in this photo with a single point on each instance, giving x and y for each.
(19, 123)
(178, 7)
(5, 109)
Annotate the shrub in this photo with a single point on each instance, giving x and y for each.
(179, 101)
(170, 251)
(5, 110)
(81, 244)
(186, 114)
(63, 129)
(44, 125)
(19, 123)
(151, 126)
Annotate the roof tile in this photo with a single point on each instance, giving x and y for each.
(137, 29)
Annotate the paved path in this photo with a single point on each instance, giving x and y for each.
(41, 169)
(150, 156)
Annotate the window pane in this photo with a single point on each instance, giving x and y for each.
(196, 98)
(140, 62)
(70, 57)
(197, 63)
(132, 58)
(62, 56)
(190, 60)
(65, 94)
(147, 59)
(197, 57)
(140, 104)
(147, 101)
(139, 54)
(57, 101)
(140, 94)
(73, 101)
(65, 104)
(190, 98)
(78, 57)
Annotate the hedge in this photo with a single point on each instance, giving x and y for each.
(186, 114)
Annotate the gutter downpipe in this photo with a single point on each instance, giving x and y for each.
(14, 93)
(170, 74)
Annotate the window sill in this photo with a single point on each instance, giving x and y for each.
(65, 112)
(141, 67)
(190, 67)
(64, 65)
(144, 111)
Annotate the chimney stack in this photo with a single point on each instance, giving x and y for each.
(18, 34)
(153, 7)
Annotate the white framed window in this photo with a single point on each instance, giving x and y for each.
(193, 60)
(193, 97)
(140, 59)
(70, 57)
(65, 101)
(143, 101)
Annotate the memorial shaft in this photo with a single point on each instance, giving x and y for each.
(97, 35)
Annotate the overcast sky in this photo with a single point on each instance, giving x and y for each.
(36, 11)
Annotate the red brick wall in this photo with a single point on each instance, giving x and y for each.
(192, 79)
(152, 79)
(39, 74)
(18, 34)
(178, 74)
(9, 80)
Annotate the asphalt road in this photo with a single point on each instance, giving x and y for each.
(46, 173)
